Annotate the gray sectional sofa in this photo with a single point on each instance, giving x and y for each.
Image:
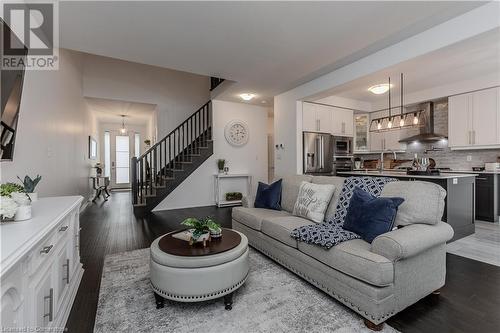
(376, 280)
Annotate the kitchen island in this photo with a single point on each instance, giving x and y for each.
(460, 189)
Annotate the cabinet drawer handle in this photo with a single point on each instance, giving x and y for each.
(46, 249)
(481, 178)
(63, 228)
(67, 271)
(51, 304)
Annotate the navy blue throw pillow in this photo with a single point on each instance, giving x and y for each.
(268, 196)
(369, 216)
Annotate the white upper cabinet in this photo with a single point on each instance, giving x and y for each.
(316, 118)
(324, 116)
(342, 122)
(474, 120)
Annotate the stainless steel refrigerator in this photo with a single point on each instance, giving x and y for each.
(318, 153)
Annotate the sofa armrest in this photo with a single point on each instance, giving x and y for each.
(247, 201)
(411, 240)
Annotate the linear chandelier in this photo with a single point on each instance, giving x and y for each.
(397, 121)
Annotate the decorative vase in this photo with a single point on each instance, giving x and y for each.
(204, 238)
(33, 196)
(23, 213)
(226, 170)
(216, 234)
(221, 171)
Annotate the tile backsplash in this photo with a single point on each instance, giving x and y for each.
(447, 158)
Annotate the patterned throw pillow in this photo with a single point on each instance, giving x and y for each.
(313, 200)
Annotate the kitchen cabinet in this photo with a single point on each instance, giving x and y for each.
(474, 120)
(361, 132)
(487, 199)
(342, 122)
(316, 118)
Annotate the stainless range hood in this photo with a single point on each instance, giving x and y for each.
(427, 133)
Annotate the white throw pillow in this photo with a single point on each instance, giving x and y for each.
(313, 200)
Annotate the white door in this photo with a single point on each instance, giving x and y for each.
(485, 117)
(120, 160)
(458, 120)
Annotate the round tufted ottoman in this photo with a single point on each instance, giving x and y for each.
(185, 273)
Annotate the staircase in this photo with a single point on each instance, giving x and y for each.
(164, 166)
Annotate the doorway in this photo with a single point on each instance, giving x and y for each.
(118, 151)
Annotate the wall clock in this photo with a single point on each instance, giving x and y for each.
(236, 133)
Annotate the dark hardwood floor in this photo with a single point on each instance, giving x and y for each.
(470, 301)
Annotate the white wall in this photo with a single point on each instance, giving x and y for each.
(288, 112)
(198, 188)
(346, 103)
(177, 94)
(53, 130)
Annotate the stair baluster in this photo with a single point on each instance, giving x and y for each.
(154, 172)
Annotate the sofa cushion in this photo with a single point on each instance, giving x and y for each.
(369, 216)
(354, 258)
(290, 190)
(424, 201)
(252, 217)
(279, 228)
(338, 182)
(313, 200)
(268, 196)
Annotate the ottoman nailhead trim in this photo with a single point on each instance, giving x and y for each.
(341, 299)
(198, 297)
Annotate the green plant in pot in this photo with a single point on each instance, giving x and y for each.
(221, 163)
(30, 185)
(202, 229)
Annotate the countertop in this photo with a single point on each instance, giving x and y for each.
(17, 238)
(402, 174)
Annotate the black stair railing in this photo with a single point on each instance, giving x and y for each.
(159, 163)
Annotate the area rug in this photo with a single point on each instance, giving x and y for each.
(272, 300)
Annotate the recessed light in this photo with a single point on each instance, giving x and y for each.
(263, 102)
(247, 96)
(380, 88)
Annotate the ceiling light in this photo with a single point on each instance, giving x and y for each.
(389, 124)
(380, 88)
(247, 96)
(415, 119)
(123, 130)
(402, 121)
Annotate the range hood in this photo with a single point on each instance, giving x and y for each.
(427, 133)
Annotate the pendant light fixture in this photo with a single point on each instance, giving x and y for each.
(397, 122)
(123, 130)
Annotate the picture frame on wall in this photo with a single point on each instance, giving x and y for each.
(92, 148)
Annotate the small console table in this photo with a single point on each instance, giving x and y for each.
(220, 178)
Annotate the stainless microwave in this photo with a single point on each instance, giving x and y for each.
(342, 146)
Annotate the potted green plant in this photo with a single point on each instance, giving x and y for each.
(14, 203)
(221, 164)
(30, 185)
(202, 229)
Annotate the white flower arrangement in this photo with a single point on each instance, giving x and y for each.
(8, 207)
(21, 199)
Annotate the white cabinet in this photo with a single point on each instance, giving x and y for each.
(474, 120)
(41, 267)
(327, 119)
(316, 118)
(342, 122)
(361, 132)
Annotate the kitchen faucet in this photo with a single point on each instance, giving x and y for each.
(381, 168)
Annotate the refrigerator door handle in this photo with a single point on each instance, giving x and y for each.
(322, 150)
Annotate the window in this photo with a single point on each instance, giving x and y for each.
(122, 159)
(137, 145)
(107, 154)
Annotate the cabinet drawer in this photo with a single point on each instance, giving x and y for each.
(45, 249)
